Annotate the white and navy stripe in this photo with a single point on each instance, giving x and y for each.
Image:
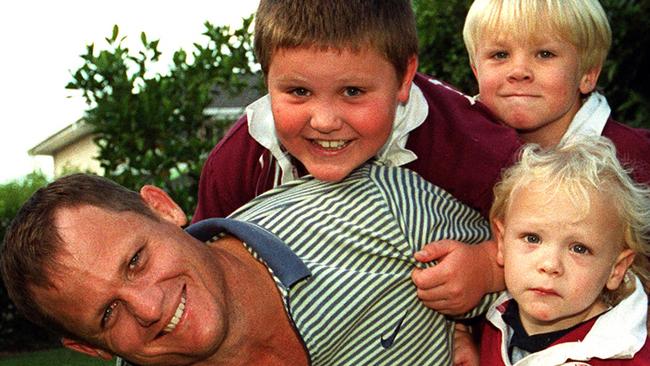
(357, 238)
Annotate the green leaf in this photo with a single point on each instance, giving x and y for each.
(116, 31)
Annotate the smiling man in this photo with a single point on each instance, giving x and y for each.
(309, 273)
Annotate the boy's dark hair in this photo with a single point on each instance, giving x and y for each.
(31, 244)
(387, 26)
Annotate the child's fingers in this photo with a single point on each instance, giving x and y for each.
(445, 306)
(435, 250)
(426, 278)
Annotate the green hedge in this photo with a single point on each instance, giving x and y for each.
(17, 334)
(58, 357)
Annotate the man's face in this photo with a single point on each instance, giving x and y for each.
(334, 109)
(139, 288)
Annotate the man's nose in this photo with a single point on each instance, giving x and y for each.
(145, 303)
(325, 117)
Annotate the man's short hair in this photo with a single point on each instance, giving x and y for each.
(32, 242)
(387, 26)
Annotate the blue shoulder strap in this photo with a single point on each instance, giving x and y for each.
(286, 265)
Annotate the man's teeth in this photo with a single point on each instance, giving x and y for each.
(177, 315)
(331, 144)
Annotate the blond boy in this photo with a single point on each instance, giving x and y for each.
(572, 231)
(537, 63)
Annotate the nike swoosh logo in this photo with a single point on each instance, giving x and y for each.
(388, 342)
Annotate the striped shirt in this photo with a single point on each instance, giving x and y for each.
(357, 238)
(345, 281)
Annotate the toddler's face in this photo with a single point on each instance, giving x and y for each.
(533, 86)
(558, 258)
(334, 109)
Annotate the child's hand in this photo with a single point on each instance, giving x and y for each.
(465, 349)
(464, 274)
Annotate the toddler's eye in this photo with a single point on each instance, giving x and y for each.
(546, 54)
(580, 249)
(532, 238)
(500, 55)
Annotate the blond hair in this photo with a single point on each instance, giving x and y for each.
(582, 23)
(581, 168)
(386, 26)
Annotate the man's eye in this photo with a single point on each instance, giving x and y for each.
(500, 55)
(108, 313)
(352, 91)
(532, 238)
(580, 249)
(300, 92)
(133, 263)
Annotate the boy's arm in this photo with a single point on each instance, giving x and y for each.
(463, 275)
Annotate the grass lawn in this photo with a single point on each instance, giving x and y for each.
(59, 357)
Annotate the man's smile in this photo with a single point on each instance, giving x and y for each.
(180, 309)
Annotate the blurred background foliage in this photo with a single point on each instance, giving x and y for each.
(151, 127)
(16, 333)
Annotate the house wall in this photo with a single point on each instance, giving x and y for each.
(80, 156)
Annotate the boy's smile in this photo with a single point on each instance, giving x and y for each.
(334, 109)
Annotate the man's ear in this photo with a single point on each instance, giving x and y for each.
(405, 84)
(86, 349)
(163, 205)
(623, 262)
(497, 231)
(590, 79)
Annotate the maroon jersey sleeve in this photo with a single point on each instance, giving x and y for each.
(461, 147)
(236, 170)
(632, 147)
